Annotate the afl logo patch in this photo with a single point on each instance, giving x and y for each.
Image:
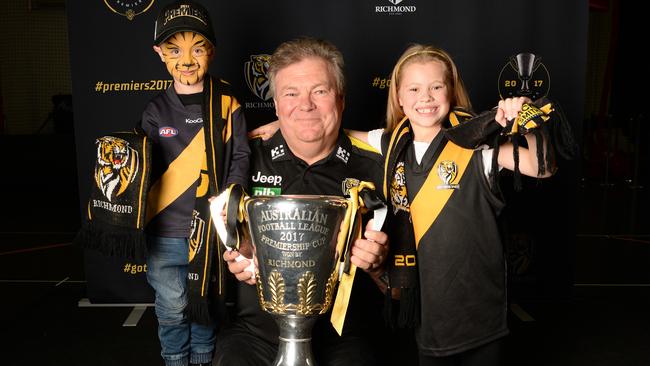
(167, 132)
(128, 8)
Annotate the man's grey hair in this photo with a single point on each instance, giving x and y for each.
(291, 52)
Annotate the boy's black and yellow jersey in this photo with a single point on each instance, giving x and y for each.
(276, 170)
(173, 127)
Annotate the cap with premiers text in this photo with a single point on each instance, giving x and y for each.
(183, 16)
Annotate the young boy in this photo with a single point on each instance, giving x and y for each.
(200, 146)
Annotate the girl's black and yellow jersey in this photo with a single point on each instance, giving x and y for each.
(276, 170)
(462, 269)
(460, 258)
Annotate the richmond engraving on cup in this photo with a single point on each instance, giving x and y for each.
(295, 240)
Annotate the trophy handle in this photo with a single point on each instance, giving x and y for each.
(361, 197)
(231, 199)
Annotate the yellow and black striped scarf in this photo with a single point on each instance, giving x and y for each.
(115, 215)
(543, 118)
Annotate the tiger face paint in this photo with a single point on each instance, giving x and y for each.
(186, 55)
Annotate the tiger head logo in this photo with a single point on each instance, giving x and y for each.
(447, 171)
(257, 80)
(196, 234)
(116, 167)
(398, 193)
(349, 183)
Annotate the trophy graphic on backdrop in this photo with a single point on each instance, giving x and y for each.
(525, 63)
(302, 245)
(524, 75)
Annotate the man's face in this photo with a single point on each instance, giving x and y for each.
(187, 55)
(307, 103)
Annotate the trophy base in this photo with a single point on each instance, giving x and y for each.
(294, 348)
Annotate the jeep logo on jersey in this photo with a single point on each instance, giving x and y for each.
(196, 120)
(259, 178)
(167, 132)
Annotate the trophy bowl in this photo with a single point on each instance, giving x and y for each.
(296, 243)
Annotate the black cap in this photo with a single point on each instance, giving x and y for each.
(182, 16)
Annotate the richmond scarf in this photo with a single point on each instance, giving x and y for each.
(115, 215)
(203, 245)
(543, 118)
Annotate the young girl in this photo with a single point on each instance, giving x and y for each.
(446, 249)
(446, 257)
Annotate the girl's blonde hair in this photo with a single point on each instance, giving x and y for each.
(423, 53)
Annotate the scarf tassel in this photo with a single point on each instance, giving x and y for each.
(516, 171)
(113, 241)
(198, 311)
(389, 308)
(409, 307)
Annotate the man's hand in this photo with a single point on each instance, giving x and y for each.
(241, 268)
(369, 253)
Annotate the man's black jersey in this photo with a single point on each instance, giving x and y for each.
(274, 171)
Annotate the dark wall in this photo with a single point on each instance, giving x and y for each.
(107, 47)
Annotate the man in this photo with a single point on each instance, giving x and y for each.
(309, 155)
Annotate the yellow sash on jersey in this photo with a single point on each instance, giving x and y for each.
(435, 192)
(181, 174)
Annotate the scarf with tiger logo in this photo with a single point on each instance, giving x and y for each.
(115, 214)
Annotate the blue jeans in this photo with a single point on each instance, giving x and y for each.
(181, 341)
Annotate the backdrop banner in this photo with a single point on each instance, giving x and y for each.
(115, 72)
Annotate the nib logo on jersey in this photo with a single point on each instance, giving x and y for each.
(255, 73)
(395, 9)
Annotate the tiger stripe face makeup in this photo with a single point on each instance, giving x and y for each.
(187, 55)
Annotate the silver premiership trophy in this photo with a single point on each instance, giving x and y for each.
(302, 247)
(296, 241)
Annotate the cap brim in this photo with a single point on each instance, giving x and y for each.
(162, 37)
